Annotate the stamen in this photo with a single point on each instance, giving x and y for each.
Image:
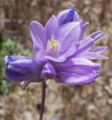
(53, 44)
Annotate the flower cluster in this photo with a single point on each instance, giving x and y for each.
(61, 52)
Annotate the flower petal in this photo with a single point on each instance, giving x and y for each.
(83, 27)
(79, 66)
(93, 56)
(88, 43)
(99, 49)
(38, 36)
(84, 61)
(54, 59)
(62, 56)
(66, 16)
(50, 27)
(77, 71)
(21, 69)
(67, 31)
(85, 46)
(69, 34)
(97, 35)
(73, 79)
(69, 52)
(9, 59)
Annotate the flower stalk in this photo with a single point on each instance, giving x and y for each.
(42, 100)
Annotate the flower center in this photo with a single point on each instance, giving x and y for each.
(53, 44)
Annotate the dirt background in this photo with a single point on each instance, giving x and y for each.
(63, 102)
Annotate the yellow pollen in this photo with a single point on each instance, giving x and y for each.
(53, 43)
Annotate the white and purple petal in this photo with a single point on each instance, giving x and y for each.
(38, 34)
(98, 35)
(99, 49)
(50, 27)
(78, 71)
(85, 46)
(74, 79)
(93, 56)
(68, 35)
(39, 39)
(88, 44)
(79, 66)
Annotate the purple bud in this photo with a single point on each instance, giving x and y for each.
(48, 72)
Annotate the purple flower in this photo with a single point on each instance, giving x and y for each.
(61, 52)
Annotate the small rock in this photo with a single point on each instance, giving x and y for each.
(110, 101)
(27, 116)
(2, 112)
(108, 89)
(91, 107)
(54, 117)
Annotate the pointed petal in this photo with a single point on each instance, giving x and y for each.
(21, 69)
(83, 27)
(67, 31)
(72, 79)
(79, 66)
(85, 46)
(76, 16)
(78, 71)
(69, 52)
(92, 55)
(62, 55)
(38, 35)
(99, 49)
(9, 59)
(84, 61)
(51, 26)
(66, 16)
(88, 43)
(97, 35)
(69, 34)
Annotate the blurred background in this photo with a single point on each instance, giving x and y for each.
(63, 102)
